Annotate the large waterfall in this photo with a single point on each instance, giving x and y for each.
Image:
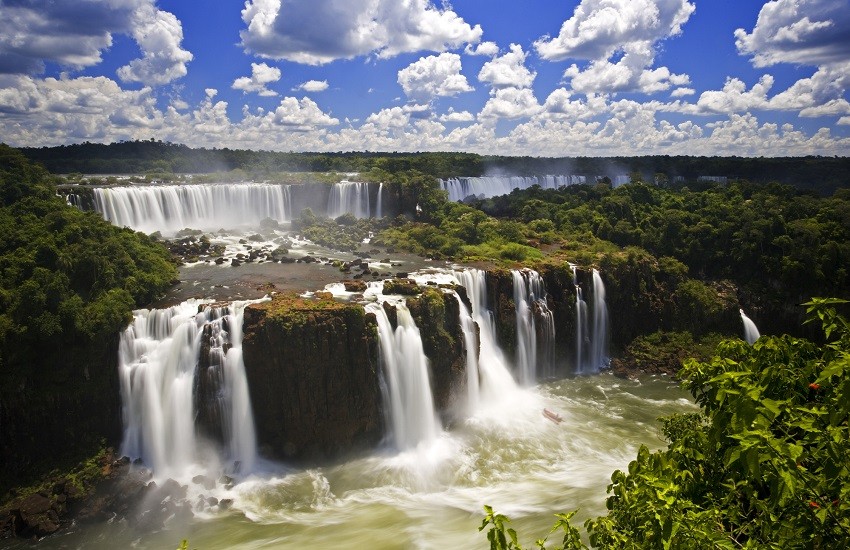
(411, 404)
(159, 359)
(492, 186)
(349, 197)
(530, 303)
(599, 336)
(471, 346)
(591, 339)
(751, 331)
(496, 379)
(169, 208)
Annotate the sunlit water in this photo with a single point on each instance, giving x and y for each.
(508, 456)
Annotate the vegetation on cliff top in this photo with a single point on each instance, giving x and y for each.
(65, 275)
(764, 464)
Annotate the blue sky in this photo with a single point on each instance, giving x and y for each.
(522, 77)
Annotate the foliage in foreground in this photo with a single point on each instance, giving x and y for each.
(765, 464)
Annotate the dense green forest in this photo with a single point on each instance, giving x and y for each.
(778, 245)
(823, 174)
(68, 283)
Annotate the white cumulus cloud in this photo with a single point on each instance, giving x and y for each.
(158, 34)
(489, 49)
(75, 34)
(304, 114)
(261, 76)
(322, 31)
(433, 76)
(313, 86)
(808, 32)
(601, 30)
(508, 70)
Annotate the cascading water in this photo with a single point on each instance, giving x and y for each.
(530, 295)
(379, 210)
(412, 415)
(496, 379)
(169, 208)
(349, 197)
(492, 186)
(582, 338)
(158, 362)
(591, 342)
(751, 331)
(470, 341)
(599, 336)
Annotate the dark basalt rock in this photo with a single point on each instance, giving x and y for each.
(313, 373)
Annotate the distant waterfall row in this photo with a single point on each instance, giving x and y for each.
(493, 186)
(164, 387)
(169, 208)
(350, 197)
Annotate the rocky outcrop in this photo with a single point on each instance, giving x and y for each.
(313, 372)
(437, 314)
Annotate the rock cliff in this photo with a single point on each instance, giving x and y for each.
(312, 369)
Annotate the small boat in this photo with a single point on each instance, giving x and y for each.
(553, 416)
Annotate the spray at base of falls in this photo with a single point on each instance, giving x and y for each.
(159, 355)
(751, 331)
(412, 416)
(349, 197)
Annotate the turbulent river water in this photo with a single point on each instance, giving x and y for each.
(507, 455)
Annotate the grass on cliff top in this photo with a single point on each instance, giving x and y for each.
(287, 303)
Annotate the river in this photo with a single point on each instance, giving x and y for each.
(507, 455)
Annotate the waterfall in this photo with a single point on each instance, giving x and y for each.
(380, 208)
(751, 331)
(169, 208)
(492, 186)
(496, 379)
(530, 295)
(591, 337)
(159, 354)
(349, 197)
(470, 341)
(599, 336)
(412, 416)
(581, 324)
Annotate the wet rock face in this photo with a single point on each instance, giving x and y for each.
(313, 375)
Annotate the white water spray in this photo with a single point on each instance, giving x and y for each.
(380, 207)
(751, 331)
